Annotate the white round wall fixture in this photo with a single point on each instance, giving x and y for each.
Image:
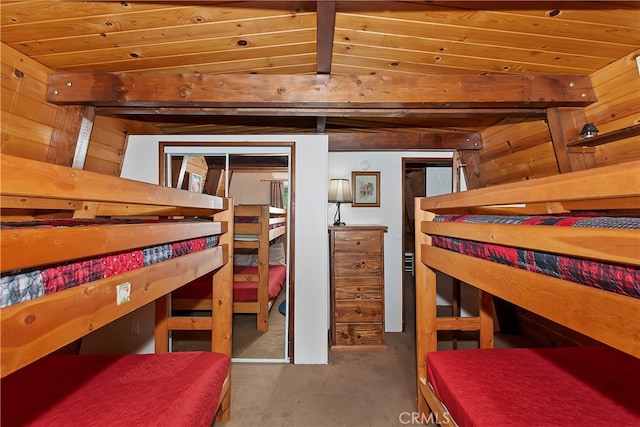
(364, 165)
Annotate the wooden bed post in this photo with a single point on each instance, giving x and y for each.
(222, 305)
(162, 325)
(425, 289)
(486, 320)
(262, 320)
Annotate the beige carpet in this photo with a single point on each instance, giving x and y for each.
(353, 390)
(248, 342)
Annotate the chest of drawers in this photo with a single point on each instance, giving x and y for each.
(357, 288)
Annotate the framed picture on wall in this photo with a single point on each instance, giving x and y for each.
(195, 182)
(365, 189)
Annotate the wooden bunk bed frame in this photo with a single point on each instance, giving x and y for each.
(605, 316)
(260, 235)
(267, 215)
(33, 329)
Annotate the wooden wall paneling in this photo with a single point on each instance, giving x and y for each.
(27, 119)
(75, 32)
(20, 104)
(617, 87)
(498, 141)
(626, 106)
(19, 61)
(617, 70)
(481, 30)
(106, 149)
(535, 162)
(25, 138)
(275, 50)
(618, 152)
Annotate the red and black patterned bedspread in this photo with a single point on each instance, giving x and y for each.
(618, 278)
(23, 285)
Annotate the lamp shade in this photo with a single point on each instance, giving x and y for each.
(340, 191)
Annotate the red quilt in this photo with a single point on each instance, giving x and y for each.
(618, 278)
(550, 387)
(168, 389)
(242, 291)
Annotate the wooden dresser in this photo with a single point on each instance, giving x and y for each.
(357, 287)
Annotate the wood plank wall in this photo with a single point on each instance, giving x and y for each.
(27, 120)
(514, 152)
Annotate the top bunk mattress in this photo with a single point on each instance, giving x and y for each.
(619, 278)
(26, 284)
(245, 237)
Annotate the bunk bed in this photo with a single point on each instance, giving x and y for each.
(80, 250)
(565, 247)
(259, 265)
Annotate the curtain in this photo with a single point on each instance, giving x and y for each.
(277, 194)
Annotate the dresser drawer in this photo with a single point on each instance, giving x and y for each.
(357, 241)
(350, 265)
(359, 311)
(359, 333)
(358, 288)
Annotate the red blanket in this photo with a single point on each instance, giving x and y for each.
(242, 291)
(168, 389)
(549, 387)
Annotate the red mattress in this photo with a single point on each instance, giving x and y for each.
(242, 291)
(168, 389)
(572, 386)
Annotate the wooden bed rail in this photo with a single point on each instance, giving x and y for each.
(615, 186)
(26, 183)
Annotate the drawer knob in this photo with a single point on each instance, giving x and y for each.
(358, 242)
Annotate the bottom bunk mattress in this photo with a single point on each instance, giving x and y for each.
(243, 291)
(570, 386)
(167, 389)
(618, 278)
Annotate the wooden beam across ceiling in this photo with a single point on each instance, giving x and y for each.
(157, 89)
(389, 141)
(425, 113)
(324, 39)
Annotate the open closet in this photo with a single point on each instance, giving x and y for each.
(258, 179)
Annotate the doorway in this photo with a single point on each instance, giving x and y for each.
(247, 173)
(422, 177)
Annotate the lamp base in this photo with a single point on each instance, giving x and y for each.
(336, 217)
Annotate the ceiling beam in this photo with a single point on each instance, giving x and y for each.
(426, 113)
(156, 89)
(385, 141)
(326, 22)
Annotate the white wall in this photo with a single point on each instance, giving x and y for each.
(313, 168)
(311, 239)
(252, 187)
(390, 213)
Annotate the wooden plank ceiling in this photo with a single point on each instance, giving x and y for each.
(422, 41)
